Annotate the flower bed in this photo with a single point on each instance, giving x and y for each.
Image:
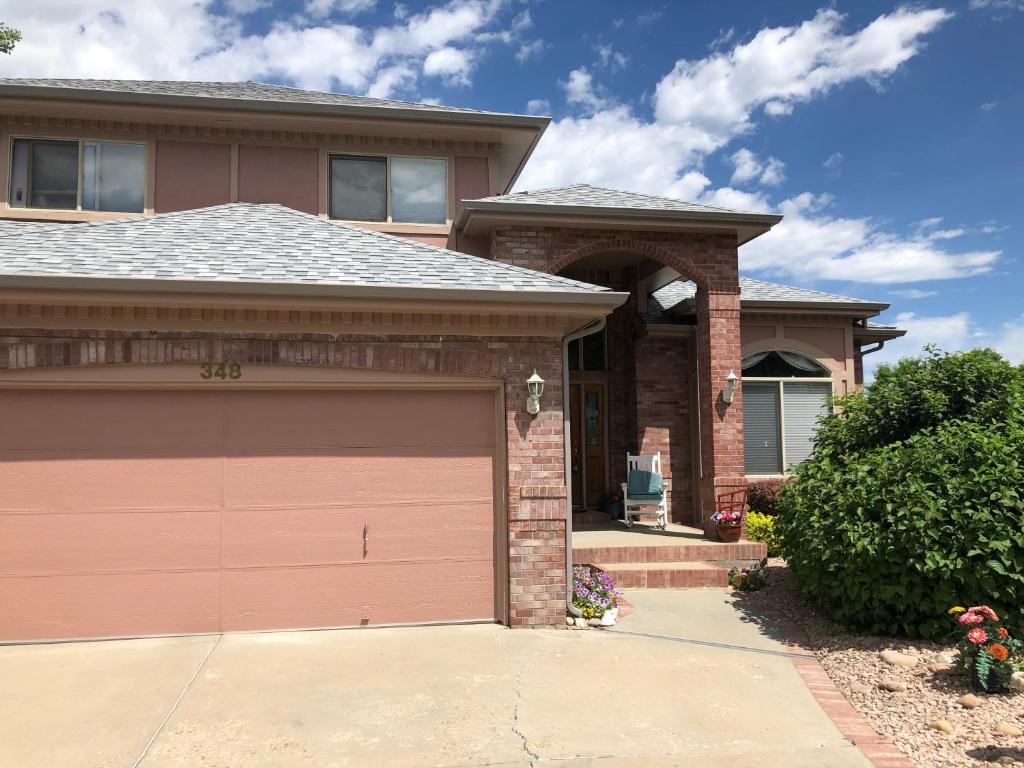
(927, 708)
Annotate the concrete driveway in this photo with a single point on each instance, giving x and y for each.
(426, 696)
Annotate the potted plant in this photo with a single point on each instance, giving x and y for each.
(985, 650)
(593, 594)
(611, 504)
(728, 524)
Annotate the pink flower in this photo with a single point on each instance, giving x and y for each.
(985, 611)
(977, 635)
(970, 618)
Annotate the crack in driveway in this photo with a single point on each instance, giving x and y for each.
(145, 750)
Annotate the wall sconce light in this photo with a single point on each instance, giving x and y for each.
(732, 382)
(536, 386)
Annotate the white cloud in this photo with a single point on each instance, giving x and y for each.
(700, 106)
(834, 163)
(998, 6)
(579, 89)
(924, 224)
(189, 39)
(244, 7)
(812, 244)
(609, 57)
(774, 172)
(748, 167)
(914, 293)
(530, 50)
(988, 106)
(945, 234)
(538, 107)
(950, 333)
(322, 8)
(452, 64)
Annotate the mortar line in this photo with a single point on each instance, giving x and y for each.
(713, 644)
(145, 750)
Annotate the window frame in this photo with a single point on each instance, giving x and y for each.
(780, 381)
(80, 141)
(387, 189)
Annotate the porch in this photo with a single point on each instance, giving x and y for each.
(645, 557)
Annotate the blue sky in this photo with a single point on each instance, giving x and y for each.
(888, 135)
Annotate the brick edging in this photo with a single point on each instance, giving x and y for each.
(852, 724)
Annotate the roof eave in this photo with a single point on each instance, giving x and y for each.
(497, 119)
(596, 299)
(878, 334)
(725, 217)
(853, 308)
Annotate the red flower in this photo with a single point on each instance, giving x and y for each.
(977, 635)
(1003, 633)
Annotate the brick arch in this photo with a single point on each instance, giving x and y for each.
(681, 265)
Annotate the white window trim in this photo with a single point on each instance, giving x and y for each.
(146, 202)
(387, 190)
(781, 380)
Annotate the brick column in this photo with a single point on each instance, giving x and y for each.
(537, 498)
(721, 423)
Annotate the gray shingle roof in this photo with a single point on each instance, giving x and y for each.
(9, 227)
(751, 290)
(263, 244)
(588, 196)
(240, 91)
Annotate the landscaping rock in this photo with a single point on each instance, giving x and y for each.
(941, 725)
(593, 622)
(897, 659)
(1017, 682)
(938, 669)
(970, 701)
(570, 621)
(861, 688)
(580, 623)
(1009, 729)
(942, 658)
(892, 684)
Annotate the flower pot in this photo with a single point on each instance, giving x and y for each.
(729, 533)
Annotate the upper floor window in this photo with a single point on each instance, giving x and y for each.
(394, 189)
(78, 175)
(589, 353)
(784, 394)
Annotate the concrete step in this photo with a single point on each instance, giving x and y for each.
(667, 575)
(672, 553)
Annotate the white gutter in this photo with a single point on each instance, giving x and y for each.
(589, 330)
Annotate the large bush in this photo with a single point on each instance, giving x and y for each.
(763, 495)
(913, 500)
(762, 528)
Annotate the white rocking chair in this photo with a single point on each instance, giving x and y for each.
(641, 503)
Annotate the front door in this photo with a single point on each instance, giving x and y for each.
(588, 442)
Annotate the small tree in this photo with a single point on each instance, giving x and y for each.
(913, 499)
(8, 37)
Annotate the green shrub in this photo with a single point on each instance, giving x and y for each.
(888, 524)
(762, 528)
(763, 495)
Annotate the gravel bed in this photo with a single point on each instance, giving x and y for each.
(924, 694)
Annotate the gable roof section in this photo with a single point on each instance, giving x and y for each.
(677, 298)
(585, 200)
(262, 247)
(247, 94)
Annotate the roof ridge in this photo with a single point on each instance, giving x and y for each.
(799, 287)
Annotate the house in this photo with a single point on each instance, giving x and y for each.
(265, 355)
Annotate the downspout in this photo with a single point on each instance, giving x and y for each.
(863, 351)
(588, 330)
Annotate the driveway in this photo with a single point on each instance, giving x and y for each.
(683, 681)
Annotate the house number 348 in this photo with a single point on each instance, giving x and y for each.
(222, 371)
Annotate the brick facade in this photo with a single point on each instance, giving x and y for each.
(650, 385)
(536, 501)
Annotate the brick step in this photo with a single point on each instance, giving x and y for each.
(671, 553)
(589, 517)
(667, 575)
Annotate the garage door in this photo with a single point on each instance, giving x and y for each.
(152, 512)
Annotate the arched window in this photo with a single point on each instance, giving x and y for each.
(784, 395)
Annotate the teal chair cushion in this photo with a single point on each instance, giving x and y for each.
(644, 485)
